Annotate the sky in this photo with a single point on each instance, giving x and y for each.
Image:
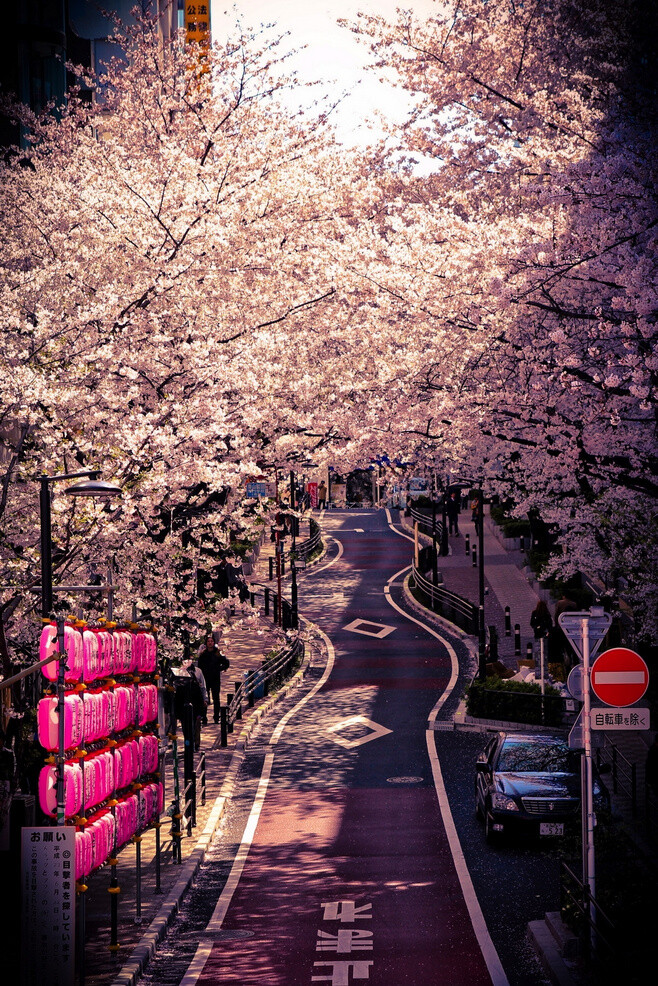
(332, 52)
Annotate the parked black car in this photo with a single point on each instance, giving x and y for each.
(531, 782)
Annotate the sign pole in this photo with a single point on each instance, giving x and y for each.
(589, 873)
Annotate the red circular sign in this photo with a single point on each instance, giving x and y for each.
(619, 677)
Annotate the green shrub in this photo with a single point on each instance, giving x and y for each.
(515, 528)
(514, 701)
(422, 500)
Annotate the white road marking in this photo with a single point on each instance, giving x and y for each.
(375, 731)
(487, 947)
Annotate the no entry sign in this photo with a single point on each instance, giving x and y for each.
(619, 677)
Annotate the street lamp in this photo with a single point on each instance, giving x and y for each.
(482, 657)
(91, 487)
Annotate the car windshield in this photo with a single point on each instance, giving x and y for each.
(538, 756)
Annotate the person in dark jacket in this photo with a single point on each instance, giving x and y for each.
(212, 662)
(541, 622)
(452, 509)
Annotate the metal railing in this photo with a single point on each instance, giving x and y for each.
(641, 799)
(258, 683)
(433, 526)
(624, 774)
(306, 548)
(450, 605)
(581, 913)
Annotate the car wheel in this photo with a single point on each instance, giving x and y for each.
(490, 834)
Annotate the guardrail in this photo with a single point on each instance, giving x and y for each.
(258, 683)
(448, 604)
(432, 524)
(305, 548)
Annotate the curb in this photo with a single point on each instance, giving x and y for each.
(144, 951)
(440, 621)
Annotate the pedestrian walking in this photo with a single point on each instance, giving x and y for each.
(541, 620)
(191, 689)
(212, 662)
(322, 495)
(559, 641)
(452, 510)
(475, 512)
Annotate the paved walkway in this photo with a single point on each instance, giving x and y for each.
(144, 912)
(505, 584)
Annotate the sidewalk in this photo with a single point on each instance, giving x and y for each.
(144, 912)
(505, 583)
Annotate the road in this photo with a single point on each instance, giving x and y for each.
(351, 853)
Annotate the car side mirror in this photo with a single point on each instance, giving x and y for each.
(482, 763)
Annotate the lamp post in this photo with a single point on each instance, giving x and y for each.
(482, 657)
(482, 660)
(91, 487)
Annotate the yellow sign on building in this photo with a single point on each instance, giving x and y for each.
(197, 23)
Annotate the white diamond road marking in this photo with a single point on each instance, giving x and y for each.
(376, 731)
(356, 626)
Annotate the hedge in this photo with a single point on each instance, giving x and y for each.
(514, 701)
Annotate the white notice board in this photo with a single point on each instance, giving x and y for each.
(48, 906)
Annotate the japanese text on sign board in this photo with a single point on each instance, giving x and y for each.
(48, 902)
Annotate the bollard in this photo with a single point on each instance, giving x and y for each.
(250, 689)
(493, 644)
(475, 556)
(238, 691)
(188, 741)
(467, 544)
(271, 561)
(157, 825)
(223, 726)
(266, 595)
(508, 622)
(528, 651)
(229, 699)
(137, 840)
(517, 639)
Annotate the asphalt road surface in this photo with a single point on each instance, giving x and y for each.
(351, 853)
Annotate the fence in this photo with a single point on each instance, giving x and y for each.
(430, 522)
(258, 683)
(447, 604)
(595, 930)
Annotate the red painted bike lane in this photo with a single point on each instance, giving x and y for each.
(349, 886)
(349, 875)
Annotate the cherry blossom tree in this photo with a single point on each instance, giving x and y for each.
(179, 294)
(534, 255)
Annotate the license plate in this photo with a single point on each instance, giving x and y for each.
(551, 828)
